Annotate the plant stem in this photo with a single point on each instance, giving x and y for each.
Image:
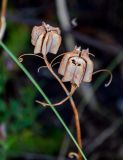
(76, 116)
(3, 8)
(3, 19)
(43, 94)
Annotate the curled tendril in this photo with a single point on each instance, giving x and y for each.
(55, 64)
(41, 68)
(108, 71)
(56, 58)
(21, 57)
(73, 89)
(91, 54)
(73, 155)
(55, 104)
(46, 66)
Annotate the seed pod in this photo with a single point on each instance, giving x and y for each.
(65, 59)
(46, 39)
(75, 70)
(76, 66)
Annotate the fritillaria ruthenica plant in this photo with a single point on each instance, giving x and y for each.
(75, 67)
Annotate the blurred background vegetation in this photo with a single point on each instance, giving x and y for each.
(30, 132)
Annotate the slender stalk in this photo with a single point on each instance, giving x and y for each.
(44, 95)
(3, 19)
(76, 116)
(3, 8)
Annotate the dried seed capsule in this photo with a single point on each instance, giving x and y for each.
(65, 59)
(75, 70)
(46, 39)
(76, 66)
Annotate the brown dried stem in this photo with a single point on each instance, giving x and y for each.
(76, 116)
(3, 8)
(2, 18)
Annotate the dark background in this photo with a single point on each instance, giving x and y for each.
(30, 132)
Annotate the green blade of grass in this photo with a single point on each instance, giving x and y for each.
(44, 95)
